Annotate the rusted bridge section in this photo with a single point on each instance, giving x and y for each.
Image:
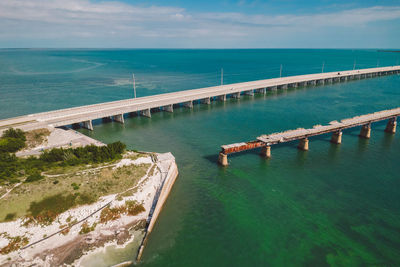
(335, 127)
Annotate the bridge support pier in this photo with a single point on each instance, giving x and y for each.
(76, 126)
(391, 126)
(88, 125)
(169, 108)
(365, 131)
(146, 113)
(223, 159)
(303, 144)
(273, 88)
(266, 152)
(119, 118)
(312, 82)
(236, 95)
(321, 82)
(336, 137)
(206, 101)
(283, 86)
(261, 91)
(249, 92)
(188, 104)
(222, 98)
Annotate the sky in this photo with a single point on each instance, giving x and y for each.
(199, 24)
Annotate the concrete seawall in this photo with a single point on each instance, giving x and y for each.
(169, 181)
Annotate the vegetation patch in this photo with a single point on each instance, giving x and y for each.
(12, 140)
(131, 208)
(12, 169)
(14, 244)
(46, 211)
(34, 176)
(37, 137)
(85, 228)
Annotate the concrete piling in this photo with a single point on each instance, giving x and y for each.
(223, 159)
(336, 137)
(303, 144)
(313, 82)
(249, 92)
(119, 118)
(206, 101)
(169, 108)
(188, 104)
(266, 152)
(146, 113)
(88, 125)
(391, 126)
(222, 98)
(236, 95)
(261, 91)
(365, 131)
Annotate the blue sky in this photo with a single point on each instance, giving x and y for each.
(200, 24)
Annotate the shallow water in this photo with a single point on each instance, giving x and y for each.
(333, 205)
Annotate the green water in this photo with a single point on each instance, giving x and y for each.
(336, 205)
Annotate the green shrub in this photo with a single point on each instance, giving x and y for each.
(9, 217)
(14, 133)
(75, 186)
(34, 176)
(11, 145)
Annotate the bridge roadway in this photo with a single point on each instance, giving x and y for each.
(143, 105)
(335, 127)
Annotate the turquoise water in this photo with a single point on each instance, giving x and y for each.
(333, 205)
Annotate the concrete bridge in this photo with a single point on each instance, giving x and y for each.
(115, 110)
(265, 141)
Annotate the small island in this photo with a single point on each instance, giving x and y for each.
(62, 203)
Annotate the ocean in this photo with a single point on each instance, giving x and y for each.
(334, 205)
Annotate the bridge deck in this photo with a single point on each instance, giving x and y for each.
(90, 112)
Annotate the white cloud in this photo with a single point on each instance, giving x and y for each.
(85, 20)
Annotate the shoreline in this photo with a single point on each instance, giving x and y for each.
(168, 183)
(62, 242)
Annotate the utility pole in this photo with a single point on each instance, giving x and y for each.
(222, 76)
(280, 72)
(134, 85)
(323, 65)
(354, 65)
